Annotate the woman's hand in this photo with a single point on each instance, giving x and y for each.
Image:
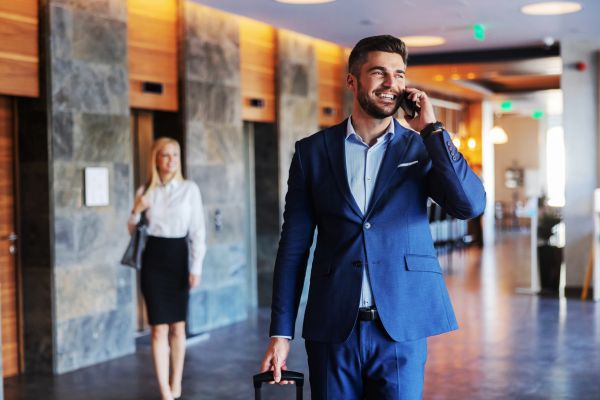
(141, 204)
(194, 281)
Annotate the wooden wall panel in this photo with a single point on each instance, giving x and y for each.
(152, 43)
(8, 272)
(257, 59)
(329, 66)
(19, 62)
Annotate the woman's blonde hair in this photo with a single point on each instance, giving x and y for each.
(153, 176)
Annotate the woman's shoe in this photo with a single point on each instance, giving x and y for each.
(176, 394)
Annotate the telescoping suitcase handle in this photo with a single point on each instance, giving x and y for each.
(285, 376)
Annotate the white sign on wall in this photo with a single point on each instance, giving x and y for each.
(96, 187)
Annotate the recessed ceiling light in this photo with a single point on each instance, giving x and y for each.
(438, 78)
(471, 75)
(455, 77)
(304, 1)
(423, 41)
(552, 8)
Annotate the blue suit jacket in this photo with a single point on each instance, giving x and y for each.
(397, 248)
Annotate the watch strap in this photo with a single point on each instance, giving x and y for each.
(429, 129)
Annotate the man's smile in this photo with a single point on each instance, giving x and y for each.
(389, 96)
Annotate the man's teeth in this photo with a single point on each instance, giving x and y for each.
(386, 95)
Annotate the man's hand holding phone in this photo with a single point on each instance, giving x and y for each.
(419, 110)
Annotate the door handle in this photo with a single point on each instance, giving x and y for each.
(12, 237)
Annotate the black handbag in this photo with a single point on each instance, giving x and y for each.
(133, 254)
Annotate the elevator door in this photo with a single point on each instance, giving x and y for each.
(8, 246)
(142, 130)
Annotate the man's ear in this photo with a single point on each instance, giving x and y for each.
(351, 82)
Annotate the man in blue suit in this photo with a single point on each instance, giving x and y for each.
(376, 290)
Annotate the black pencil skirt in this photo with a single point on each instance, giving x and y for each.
(165, 279)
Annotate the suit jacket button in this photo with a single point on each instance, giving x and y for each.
(358, 264)
(449, 143)
(367, 225)
(452, 152)
(454, 158)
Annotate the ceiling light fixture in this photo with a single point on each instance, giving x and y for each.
(471, 75)
(455, 77)
(498, 135)
(472, 144)
(438, 78)
(304, 1)
(423, 41)
(456, 142)
(552, 8)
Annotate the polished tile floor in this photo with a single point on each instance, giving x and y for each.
(508, 346)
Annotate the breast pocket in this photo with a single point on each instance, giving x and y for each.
(408, 164)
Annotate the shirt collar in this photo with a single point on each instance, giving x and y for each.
(172, 184)
(389, 133)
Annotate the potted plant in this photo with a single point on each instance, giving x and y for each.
(550, 256)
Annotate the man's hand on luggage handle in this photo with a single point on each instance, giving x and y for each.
(275, 358)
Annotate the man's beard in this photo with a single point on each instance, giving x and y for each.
(372, 109)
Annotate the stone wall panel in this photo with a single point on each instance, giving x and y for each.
(62, 140)
(214, 141)
(92, 292)
(84, 290)
(99, 40)
(102, 138)
(298, 106)
(92, 338)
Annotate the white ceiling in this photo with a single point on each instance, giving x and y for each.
(344, 22)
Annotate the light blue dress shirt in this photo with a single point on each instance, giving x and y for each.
(362, 167)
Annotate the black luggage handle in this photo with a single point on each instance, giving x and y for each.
(297, 377)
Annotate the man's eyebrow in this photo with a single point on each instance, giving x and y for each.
(401, 71)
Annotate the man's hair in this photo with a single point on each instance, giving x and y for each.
(386, 43)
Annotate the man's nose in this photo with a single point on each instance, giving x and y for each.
(388, 81)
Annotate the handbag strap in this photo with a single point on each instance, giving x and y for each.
(143, 218)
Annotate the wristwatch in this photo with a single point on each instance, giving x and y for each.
(429, 129)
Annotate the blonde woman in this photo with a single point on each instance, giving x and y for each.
(174, 210)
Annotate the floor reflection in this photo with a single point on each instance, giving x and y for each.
(509, 346)
(512, 346)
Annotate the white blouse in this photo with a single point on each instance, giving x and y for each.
(176, 211)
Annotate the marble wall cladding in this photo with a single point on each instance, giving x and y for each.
(214, 148)
(298, 95)
(93, 302)
(100, 336)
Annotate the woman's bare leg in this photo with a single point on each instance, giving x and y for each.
(177, 343)
(160, 352)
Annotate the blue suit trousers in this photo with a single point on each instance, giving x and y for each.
(369, 365)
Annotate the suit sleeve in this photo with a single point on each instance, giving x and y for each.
(294, 248)
(451, 182)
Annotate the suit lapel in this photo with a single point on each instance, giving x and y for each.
(393, 156)
(335, 145)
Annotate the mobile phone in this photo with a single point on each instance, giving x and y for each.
(409, 106)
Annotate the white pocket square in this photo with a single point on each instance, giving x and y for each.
(408, 164)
